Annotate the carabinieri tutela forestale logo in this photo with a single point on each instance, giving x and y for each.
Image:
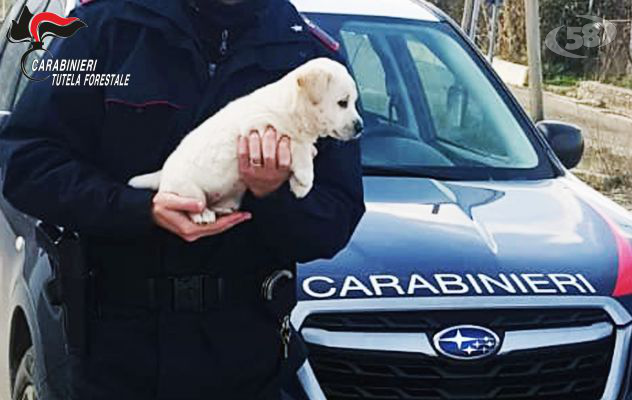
(34, 28)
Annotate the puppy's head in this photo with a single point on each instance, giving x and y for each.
(329, 95)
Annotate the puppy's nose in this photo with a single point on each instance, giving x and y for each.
(358, 126)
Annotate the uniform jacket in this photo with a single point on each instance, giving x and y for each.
(69, 151)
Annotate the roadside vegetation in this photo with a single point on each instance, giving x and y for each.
(609, 171)
(608, 64)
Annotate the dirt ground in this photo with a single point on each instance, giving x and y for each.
(607, 163)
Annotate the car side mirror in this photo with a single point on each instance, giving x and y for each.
(566, 140)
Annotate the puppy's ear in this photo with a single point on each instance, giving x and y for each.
(314, 82)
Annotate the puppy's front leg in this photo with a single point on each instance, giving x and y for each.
(205, 217)
(302, 178)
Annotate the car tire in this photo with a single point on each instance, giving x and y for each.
(25, 388)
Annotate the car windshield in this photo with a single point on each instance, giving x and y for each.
(429, 105)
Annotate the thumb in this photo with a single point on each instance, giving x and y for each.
(185, 204)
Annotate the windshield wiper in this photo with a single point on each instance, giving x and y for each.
(408, 172)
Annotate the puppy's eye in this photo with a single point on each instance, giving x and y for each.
(343, 103)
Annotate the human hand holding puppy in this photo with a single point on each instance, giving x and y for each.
(264, 165)
(171, 212)
(264, 161)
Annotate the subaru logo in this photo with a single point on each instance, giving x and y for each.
(466, 342)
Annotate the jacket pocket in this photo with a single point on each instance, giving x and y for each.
(140, 130)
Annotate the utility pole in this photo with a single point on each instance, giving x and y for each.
(532, 8)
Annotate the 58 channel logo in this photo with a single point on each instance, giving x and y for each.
(598, 32)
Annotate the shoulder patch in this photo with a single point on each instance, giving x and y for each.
(322, 35)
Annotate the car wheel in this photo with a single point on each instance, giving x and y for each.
(25, 388)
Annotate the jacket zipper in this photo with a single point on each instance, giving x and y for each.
(223, 46)
(223, 50)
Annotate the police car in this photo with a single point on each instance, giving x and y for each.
(483, 268)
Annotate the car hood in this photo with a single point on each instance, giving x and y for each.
(422, 237)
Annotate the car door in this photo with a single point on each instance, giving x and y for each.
(17, 231)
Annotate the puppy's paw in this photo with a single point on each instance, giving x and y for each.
(299, 189)
(205, 218)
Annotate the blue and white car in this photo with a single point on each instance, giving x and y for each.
(483, 268)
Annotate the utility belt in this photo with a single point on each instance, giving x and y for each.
(174, 294)
(196, 293)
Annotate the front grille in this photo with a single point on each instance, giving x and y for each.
(431, 321)
(572, 372)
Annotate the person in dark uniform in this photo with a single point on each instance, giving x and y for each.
(176, 309)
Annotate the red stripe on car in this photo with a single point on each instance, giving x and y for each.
(623, 286)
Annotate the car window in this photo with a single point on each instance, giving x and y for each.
(10, 54)
(13, 82)
(430, 104)
(369, 74)
(458, 119)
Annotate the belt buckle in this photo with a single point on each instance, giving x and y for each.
(188, 293)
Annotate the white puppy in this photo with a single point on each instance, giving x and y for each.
(315, 100)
